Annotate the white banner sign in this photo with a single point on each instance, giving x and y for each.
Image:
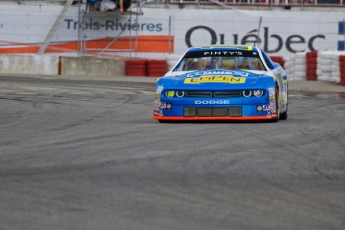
(280, 32)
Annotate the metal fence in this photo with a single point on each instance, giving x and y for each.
(294, 3)
(311, 3)
(224, 3)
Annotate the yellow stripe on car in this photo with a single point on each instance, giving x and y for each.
(215, 79)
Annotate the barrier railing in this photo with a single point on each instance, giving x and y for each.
(283, 3)
(300, 3)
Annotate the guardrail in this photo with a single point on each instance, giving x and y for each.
(296, 3)
(282, 3)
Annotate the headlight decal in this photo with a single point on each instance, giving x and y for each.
(258, 92)
(246, 93)
(214, 94)
(170, 93)
(180, 93)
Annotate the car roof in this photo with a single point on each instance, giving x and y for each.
(223, 47)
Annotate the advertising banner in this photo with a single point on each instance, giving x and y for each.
(23, 28)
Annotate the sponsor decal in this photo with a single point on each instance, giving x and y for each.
(117, 25)
(212, 102)
(157, 96)
(273, 108)
(215, 79)
(271, 91)
(269, 115)
(163, 105)
(160, 113)
(272, 97)
(157, 103)
(252, 37)
(168, 106)
(222, 53)
(218, 72)
(156, 113)
(266, 107)
(159, 89)
(259, 109)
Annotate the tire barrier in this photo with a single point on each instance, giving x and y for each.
(342, 69)
(278, 59)
(320, 66)
(311, 64)
(156, 68)
(324, 65)
(136, 67)
(295, 67)
(146, 67)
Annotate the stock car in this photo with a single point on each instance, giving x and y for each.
(225, 82)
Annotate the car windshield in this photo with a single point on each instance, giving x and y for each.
(220, 62)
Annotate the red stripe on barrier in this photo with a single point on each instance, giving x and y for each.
(311, 66)
(312, 54)
(156, 68)
(278, 59)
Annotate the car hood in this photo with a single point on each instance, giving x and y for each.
(215, 78)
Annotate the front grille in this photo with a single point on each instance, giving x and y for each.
(213, 94)
(227, 94)
(204, 112)
(235, 111)
(220, 112)
(232, 111)
(198, 94)
(189, 111)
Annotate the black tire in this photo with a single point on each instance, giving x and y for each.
(284, 115)
(277, 108)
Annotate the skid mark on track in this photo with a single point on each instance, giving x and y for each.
(335, 96)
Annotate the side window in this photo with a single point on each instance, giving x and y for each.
(267, 60)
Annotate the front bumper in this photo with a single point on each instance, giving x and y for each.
(261, 108)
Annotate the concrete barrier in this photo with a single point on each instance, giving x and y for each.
(29, 64)
(55, 65)
(92, 66)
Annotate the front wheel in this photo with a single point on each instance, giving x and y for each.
(284, 115)
(277, 108)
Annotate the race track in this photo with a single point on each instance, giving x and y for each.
(87, 155)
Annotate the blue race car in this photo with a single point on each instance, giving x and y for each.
(233, 82)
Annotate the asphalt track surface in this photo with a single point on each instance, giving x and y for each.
(87, 155)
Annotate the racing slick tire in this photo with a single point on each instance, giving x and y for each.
(277, 108)
(284, 115)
